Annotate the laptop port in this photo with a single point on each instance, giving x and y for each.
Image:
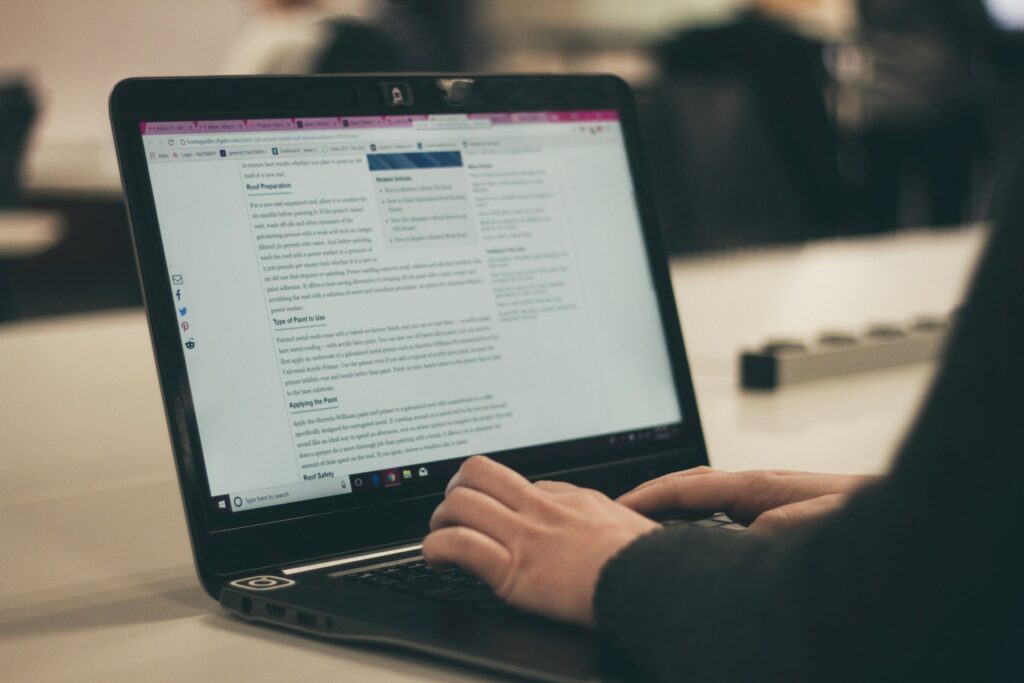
(305, 619)
(276, 611)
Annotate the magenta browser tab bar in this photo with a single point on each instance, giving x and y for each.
(362, 122)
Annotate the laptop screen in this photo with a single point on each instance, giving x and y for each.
(363, 299)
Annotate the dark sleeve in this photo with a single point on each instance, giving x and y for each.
(919, 577)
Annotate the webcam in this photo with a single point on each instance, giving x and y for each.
(397, 94)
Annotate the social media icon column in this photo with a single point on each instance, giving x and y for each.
(183, 315)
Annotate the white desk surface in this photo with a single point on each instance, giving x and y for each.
(97, 582)
(25, 233)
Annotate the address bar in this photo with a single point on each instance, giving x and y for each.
(260, 139)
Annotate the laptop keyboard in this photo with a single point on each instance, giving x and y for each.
(416, 577)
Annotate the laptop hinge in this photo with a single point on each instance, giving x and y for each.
(352, 559)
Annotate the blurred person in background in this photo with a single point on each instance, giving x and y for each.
(283, 37)
(913, 99)
(351, 36)
(743, 145)
(802, 119)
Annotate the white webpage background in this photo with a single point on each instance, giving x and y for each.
(598, 367)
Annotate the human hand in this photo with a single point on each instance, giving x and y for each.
(762, 499)
(539, 546)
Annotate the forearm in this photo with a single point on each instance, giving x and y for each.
(871, 593)
(691, 604)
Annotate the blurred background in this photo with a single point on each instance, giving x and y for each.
(766, 121)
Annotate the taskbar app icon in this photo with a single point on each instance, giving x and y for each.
(389, 478)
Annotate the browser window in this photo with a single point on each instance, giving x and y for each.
(359, 297)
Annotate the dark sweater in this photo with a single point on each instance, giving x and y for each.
(918, 578)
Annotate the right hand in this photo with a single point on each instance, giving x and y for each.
(760, 499)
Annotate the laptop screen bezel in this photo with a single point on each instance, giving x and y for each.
(315, 534)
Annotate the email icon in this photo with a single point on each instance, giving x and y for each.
(177, 279)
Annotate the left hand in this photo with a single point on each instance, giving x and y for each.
(540, 547)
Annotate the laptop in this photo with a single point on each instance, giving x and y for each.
(353, 284)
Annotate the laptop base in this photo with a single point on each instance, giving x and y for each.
(511, 643)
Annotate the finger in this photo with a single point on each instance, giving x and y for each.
(473, 551)
(499, 482)
(555, 486)
(801, 512)
(712, 492)
(474, 510)
(693, 471)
